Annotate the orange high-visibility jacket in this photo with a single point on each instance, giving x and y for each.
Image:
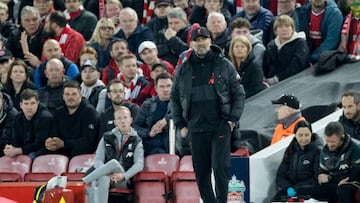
(281, 133)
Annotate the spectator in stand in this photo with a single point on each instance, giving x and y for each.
(216, 24)
(298, 171)
(115, 167)
(290, 8)
(79, 18)
(249, 69)
(339, 172)
(204, 7)
(350, 43)
(321, 20)
(45, 7)
(115, 92)
(152, 122)
(112, 11)
(52, 50)
(129, 74)
(149, 55)
(118, 47)
(287, 54)
(259, 17)
(26, 42)
(174, 41)
(6, 26)
(51, 94)
(159, 23)
(92, 6)
(131, 31)
(7, 116)
(241, 26)
(143, 11)
(17, 81)
(88, 53)
(288, 114)
(30, 127)
(6, 59)
(91, 85)
(183, 4)
(350, 119)
(75, 125)
(71, 42)
(101, 41)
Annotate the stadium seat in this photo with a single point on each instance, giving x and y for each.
(78, 165)
(51, 163)
(184, 187)
(151, 187)
(20, 164)
(242, 152)
(186, 163)
(10, 177)
(167, 163)
(38, 177)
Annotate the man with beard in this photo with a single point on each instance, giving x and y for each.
(71, 42)
(115, 92)
(206, 100)
(75, 125)
(350, 119)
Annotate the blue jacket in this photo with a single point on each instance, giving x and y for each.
(331, 25)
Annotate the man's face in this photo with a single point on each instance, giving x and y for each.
(112, 10)
(72, 97)
(216, 25)
(3, 15)
(118, 49)
(44, 6)
(213, 5)
(72, 5)
(128, 23)
(286, 6)
(157, 71)
(128, 68)
(201, 46)
(52, 50)
(123, 120)
(149, 56)
(48, 28)
(162, 10)
(181, 3)
(30, 23)
(333, 142)
(89, 76)
(163, 89)
(116, 93)
(317, 4)
(240, 31)
(29, 107)
(54, 72)
(251, 7)
(282, 111)
(351, 110)
(176, 24)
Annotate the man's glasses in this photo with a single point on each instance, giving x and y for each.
(116, 91)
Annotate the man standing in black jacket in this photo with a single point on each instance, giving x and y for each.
(350, 119)
(206, 99)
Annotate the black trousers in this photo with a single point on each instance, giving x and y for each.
(210, 151)
(333, 193)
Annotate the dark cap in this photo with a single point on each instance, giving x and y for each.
(199, 32)
(288, 100)
(88, 63)
(163, 65)
(5, 55)
(163, 2)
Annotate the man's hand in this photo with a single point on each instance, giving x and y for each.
(323, 178)
(184, 132)
(158, 127)
(24, 43)
(12, 151)
(169, 33)
(54, 143)
(117, 177)
(33, 60)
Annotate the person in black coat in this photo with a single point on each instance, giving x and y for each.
(249, 69)
(298, 171)
(7, 116)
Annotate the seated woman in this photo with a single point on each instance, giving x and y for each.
(287, 54)
(298, 171)
(119, 156)
(249, 69)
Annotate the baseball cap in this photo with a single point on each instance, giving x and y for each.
(88, 63)
(146, 45)
(288, 100)
(163, 2)
(5, 54)
(199, 32)
(163, 65)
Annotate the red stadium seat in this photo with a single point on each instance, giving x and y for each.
(167, 163)
(20, 164)
(81, 163)
(73, 176)
(51, 163)
(186, 163)
(10, 177)
(151, 187)
(38, 177)
(184, 187)
(242, 152)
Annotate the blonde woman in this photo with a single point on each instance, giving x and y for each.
(249, 69)
(101, 39)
